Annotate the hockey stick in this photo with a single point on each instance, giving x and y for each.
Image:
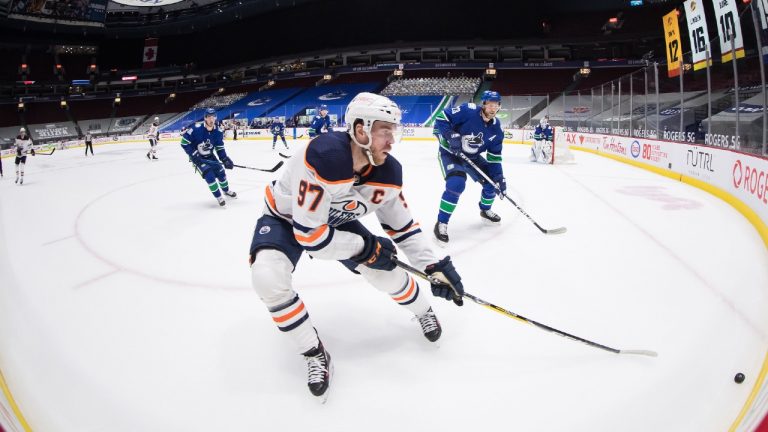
(464, 157)
(285, 156)
(45, 154)
(273, 169)
(523, 319)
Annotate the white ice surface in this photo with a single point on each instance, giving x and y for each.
(125, 304)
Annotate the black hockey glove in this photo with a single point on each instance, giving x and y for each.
(227, 162)
(501, 185)
(450, 286)
(378, 253)
(32, 151)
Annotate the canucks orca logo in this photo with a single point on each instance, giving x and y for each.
(333, 95)
(204, 148)
(345, 211)
(471, 143)
(259, 101)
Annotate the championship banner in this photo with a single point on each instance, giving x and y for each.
(150, 53)
(697, 31)
(728, 25)
(762, 6)
(674, 47)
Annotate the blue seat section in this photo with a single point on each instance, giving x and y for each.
(336, 96)
(417, 109)
(257, 104)
(187, 119)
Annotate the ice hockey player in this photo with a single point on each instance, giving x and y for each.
(154, 136)
(88, 143)
(23, 147)
(541, 151)
(472, 130)
(200, 142)
(319, 122)
(278, 130)
(315, 205)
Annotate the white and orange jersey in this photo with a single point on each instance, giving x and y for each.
(154, 131)
(23, 145)
(319, 191)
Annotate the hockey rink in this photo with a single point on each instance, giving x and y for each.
(126, 305)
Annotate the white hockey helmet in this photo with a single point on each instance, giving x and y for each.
(544, 120)
(157, 119)
(22, 130)
(369, 108)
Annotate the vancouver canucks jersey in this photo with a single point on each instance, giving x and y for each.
(200, 142)
(277, 128)
(478, 136)
(319, 191)
(316, 127)
(543, 133)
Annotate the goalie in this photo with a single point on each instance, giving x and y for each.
(541, 151)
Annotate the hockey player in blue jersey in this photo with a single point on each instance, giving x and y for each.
(200, 142)
(319, 122)
(314, 207)
(278, 130)
(472, 130)
(541, 151)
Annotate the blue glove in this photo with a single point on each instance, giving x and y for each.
(197, 160)
(455, 142)
(227, 162)
(450, 286)
(378, 253)
(501, 185)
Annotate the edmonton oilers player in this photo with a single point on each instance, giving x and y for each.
(199, 142)
(321, 120)
(278, 129)
(471, 130)
(314, 206)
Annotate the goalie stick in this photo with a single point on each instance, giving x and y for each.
(464, 157)
(525, 320)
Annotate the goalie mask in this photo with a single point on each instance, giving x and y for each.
(544, 120)
(369, 108)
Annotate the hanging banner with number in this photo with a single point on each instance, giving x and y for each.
(728, 26)
(674, 47)
(697, 31)
(762, 6)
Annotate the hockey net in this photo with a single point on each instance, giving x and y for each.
(561, 153)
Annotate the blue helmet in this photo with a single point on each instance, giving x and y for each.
(210, 112)
(490, 95)
(322, 107)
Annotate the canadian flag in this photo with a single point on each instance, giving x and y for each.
(150, 53)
